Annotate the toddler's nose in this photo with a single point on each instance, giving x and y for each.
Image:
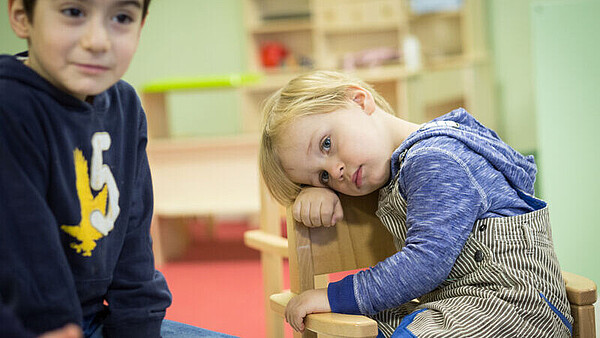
(337, 173)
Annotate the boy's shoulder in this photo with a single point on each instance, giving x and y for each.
(123, 88)
(15, 77)
(22, 90)
(124, 94)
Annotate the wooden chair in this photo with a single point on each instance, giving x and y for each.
(273, 250)
(361, 241)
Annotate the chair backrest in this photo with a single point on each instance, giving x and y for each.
(359, 241)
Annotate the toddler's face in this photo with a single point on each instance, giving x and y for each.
(83, 47)
(344, 150)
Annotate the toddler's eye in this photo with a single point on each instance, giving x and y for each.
(324, 177)
(122, 18)
(326, 144)
(72, 12)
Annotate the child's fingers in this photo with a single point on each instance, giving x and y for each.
(302, 213)
(301, 327)
(294, 323)
(326, 213)
(67, 331)
(338, 213)
(305, 214)
(315, 214)
(288, 319)
(297, 210)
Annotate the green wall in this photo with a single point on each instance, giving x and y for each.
(183, 38)
(194, 38)
(566, 53)
(510, 43)
(9, 43)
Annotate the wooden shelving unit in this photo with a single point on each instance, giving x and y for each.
(454, 57)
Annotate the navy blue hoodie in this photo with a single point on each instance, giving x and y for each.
(75, 209)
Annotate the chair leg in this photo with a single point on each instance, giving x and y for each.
(584, 326)
(175, 236)
(272, 271)
(306, 334)
(159, 258)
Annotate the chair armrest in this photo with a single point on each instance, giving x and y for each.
(263, 241)
(333, 324)
(580, 290)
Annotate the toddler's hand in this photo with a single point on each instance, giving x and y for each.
(67, 331)
(317, 207)
(311, 301)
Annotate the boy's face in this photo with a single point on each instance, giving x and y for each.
(346, 150)
(82, 46)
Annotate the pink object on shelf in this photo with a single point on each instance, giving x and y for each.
(370, 58)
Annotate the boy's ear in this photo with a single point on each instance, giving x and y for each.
(19, 22)
(144, 20)
(363, 98)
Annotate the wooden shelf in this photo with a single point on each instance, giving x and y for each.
(361, 28)
(436, 16)
(452, 48)
(282, 26)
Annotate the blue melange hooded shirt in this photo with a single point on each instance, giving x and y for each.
(65, 164)
(452, 175)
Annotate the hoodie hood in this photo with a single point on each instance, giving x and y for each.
(518, 169)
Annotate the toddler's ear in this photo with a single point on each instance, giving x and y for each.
(363, 98)
(19, 22)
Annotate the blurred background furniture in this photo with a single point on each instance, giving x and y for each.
(381, 40)
(204, 178)
(361, 241)
(197, 177)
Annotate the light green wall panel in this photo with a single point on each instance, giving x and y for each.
(9, 43)
(566, 54)
(194, 38)
(183, 38)
(510, 42)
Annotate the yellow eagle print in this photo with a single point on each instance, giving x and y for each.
(84, 231)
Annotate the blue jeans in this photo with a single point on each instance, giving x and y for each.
(171, 329)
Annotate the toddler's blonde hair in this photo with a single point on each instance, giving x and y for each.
(311, 93)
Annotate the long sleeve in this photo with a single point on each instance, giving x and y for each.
(35, 277)
(443, 202)
(10, 325)
(138, 296)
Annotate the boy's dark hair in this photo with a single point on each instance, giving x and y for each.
(29, 4)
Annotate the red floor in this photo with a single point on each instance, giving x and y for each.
(217, 285)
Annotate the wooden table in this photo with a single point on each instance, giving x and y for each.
(201, 177)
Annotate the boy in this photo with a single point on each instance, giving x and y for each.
(76, 194)
(474, 244)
